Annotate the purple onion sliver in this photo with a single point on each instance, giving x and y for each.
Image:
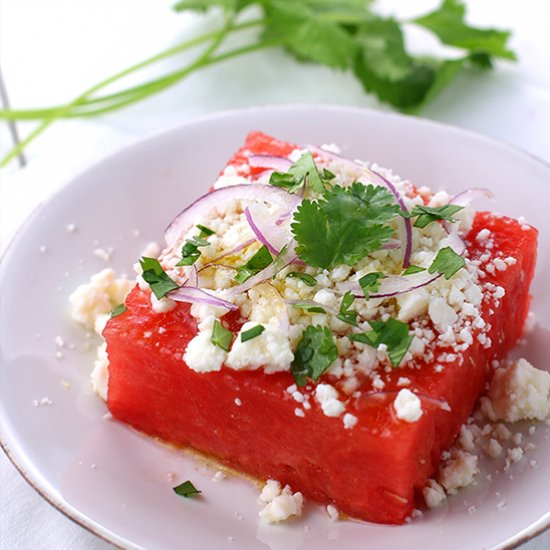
(196, 295)
(258, 233)
(280, 164)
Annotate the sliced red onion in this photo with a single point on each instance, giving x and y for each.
(391, 286)
(443, 405)
(242, 246)
(202, 206)
(392, 244)
(193, 276)
(195, 295)
(286, 257)
(257, 231)
(280, 164)
(454, 240)
(466, 197)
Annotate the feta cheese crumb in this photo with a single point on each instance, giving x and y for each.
(201, 355)
(280, 505)
(350, 420)
(520, 392)
(332, 512)
(327, 397)
(434, 494)
(407, 406)
(460, 471)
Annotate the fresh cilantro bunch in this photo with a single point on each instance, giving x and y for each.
(344, 225)
(347, 35)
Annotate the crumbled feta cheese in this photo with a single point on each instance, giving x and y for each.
(434, 494)
(459, 471)
(407, 406)
(271, 489)
(327, 397)
(332, 512)
(349, 421)
(412, 304)
(442, 314)
(270, 350)
(520, 392)
(280, 505)
(163, 305)
(100, 372)
(201, 355)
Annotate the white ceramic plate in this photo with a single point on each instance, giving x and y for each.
(118, 483)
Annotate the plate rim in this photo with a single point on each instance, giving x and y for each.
(536, 528)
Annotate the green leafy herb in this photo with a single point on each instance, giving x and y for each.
(260, 260)
(447, 262)
(221, 337)
(304, 277)
(412, 269)
(302, 171)
(186, 489)
(309, 307)
(427, 214)
(118, 310)
(346, 314)
(252, 333)
(392, 333)
(190, 252)
(370, 283)
(205, 231)
(340, 34)
(344, 225)
(156, 277)
(315, 353)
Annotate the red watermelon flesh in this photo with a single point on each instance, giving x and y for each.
(370, 472)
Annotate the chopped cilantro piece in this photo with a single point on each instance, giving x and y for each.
(190, 252)
(205, 231)
(302, 171)
(343, 226)
(315, 353)
(156, 277)
(370, 283)
(392, 333)
(221, 337)
(186, 489)
(427, 215)
(304, 277)
(412, 269)
(346, 314)
(118, 310)
(252, 333)
(447, 262)
(311, 308)
(260, 260)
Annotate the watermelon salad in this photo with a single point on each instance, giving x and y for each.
(326, 327)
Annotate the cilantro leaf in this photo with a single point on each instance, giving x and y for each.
(427, 214)
(344, 225)
(412, 269)
(309, 280)
(447, 262)
(186, 489)
(190, 252)
(370, 283)
(221, 337)
(252, 333)
(260, 260)
(303, 171)
(118, 310)
(156, 277)
(315, 353)
(346, 314)
(392, 333)
(309, 307)
(205, 231)
(447, 23)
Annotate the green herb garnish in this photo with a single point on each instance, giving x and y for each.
(314, 354)
(190, 252)
(302, 171)
(186, 489)
(221, 337)
(252, 333)
(346, 314)
(205, 231)
(370, 283)
(447, 262)
(412, 269)
(304, 277)
(311, 308)
(260, 260)
(392, 333)
(156, 277)
(118, 310)
(343, 226)
(427, 214)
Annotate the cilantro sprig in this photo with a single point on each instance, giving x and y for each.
(159, 281)
(426, 214)
(392, 333)
(349, 35)
(303, 172)
(260, 260)
(346, 314)
(221, 337)
(315, 353)
(447, 262)
(344, 225)
(186, 489)
(370, 283)
(190, 252)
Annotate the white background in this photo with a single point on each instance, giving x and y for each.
(51, 50)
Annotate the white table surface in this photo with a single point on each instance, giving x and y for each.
(50, 50)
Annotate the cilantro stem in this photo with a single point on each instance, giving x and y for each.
(139, 92)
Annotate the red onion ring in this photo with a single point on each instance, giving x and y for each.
(195, 295)
(188, 217)
(258, 233)
(465, 198)
(279, 164)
